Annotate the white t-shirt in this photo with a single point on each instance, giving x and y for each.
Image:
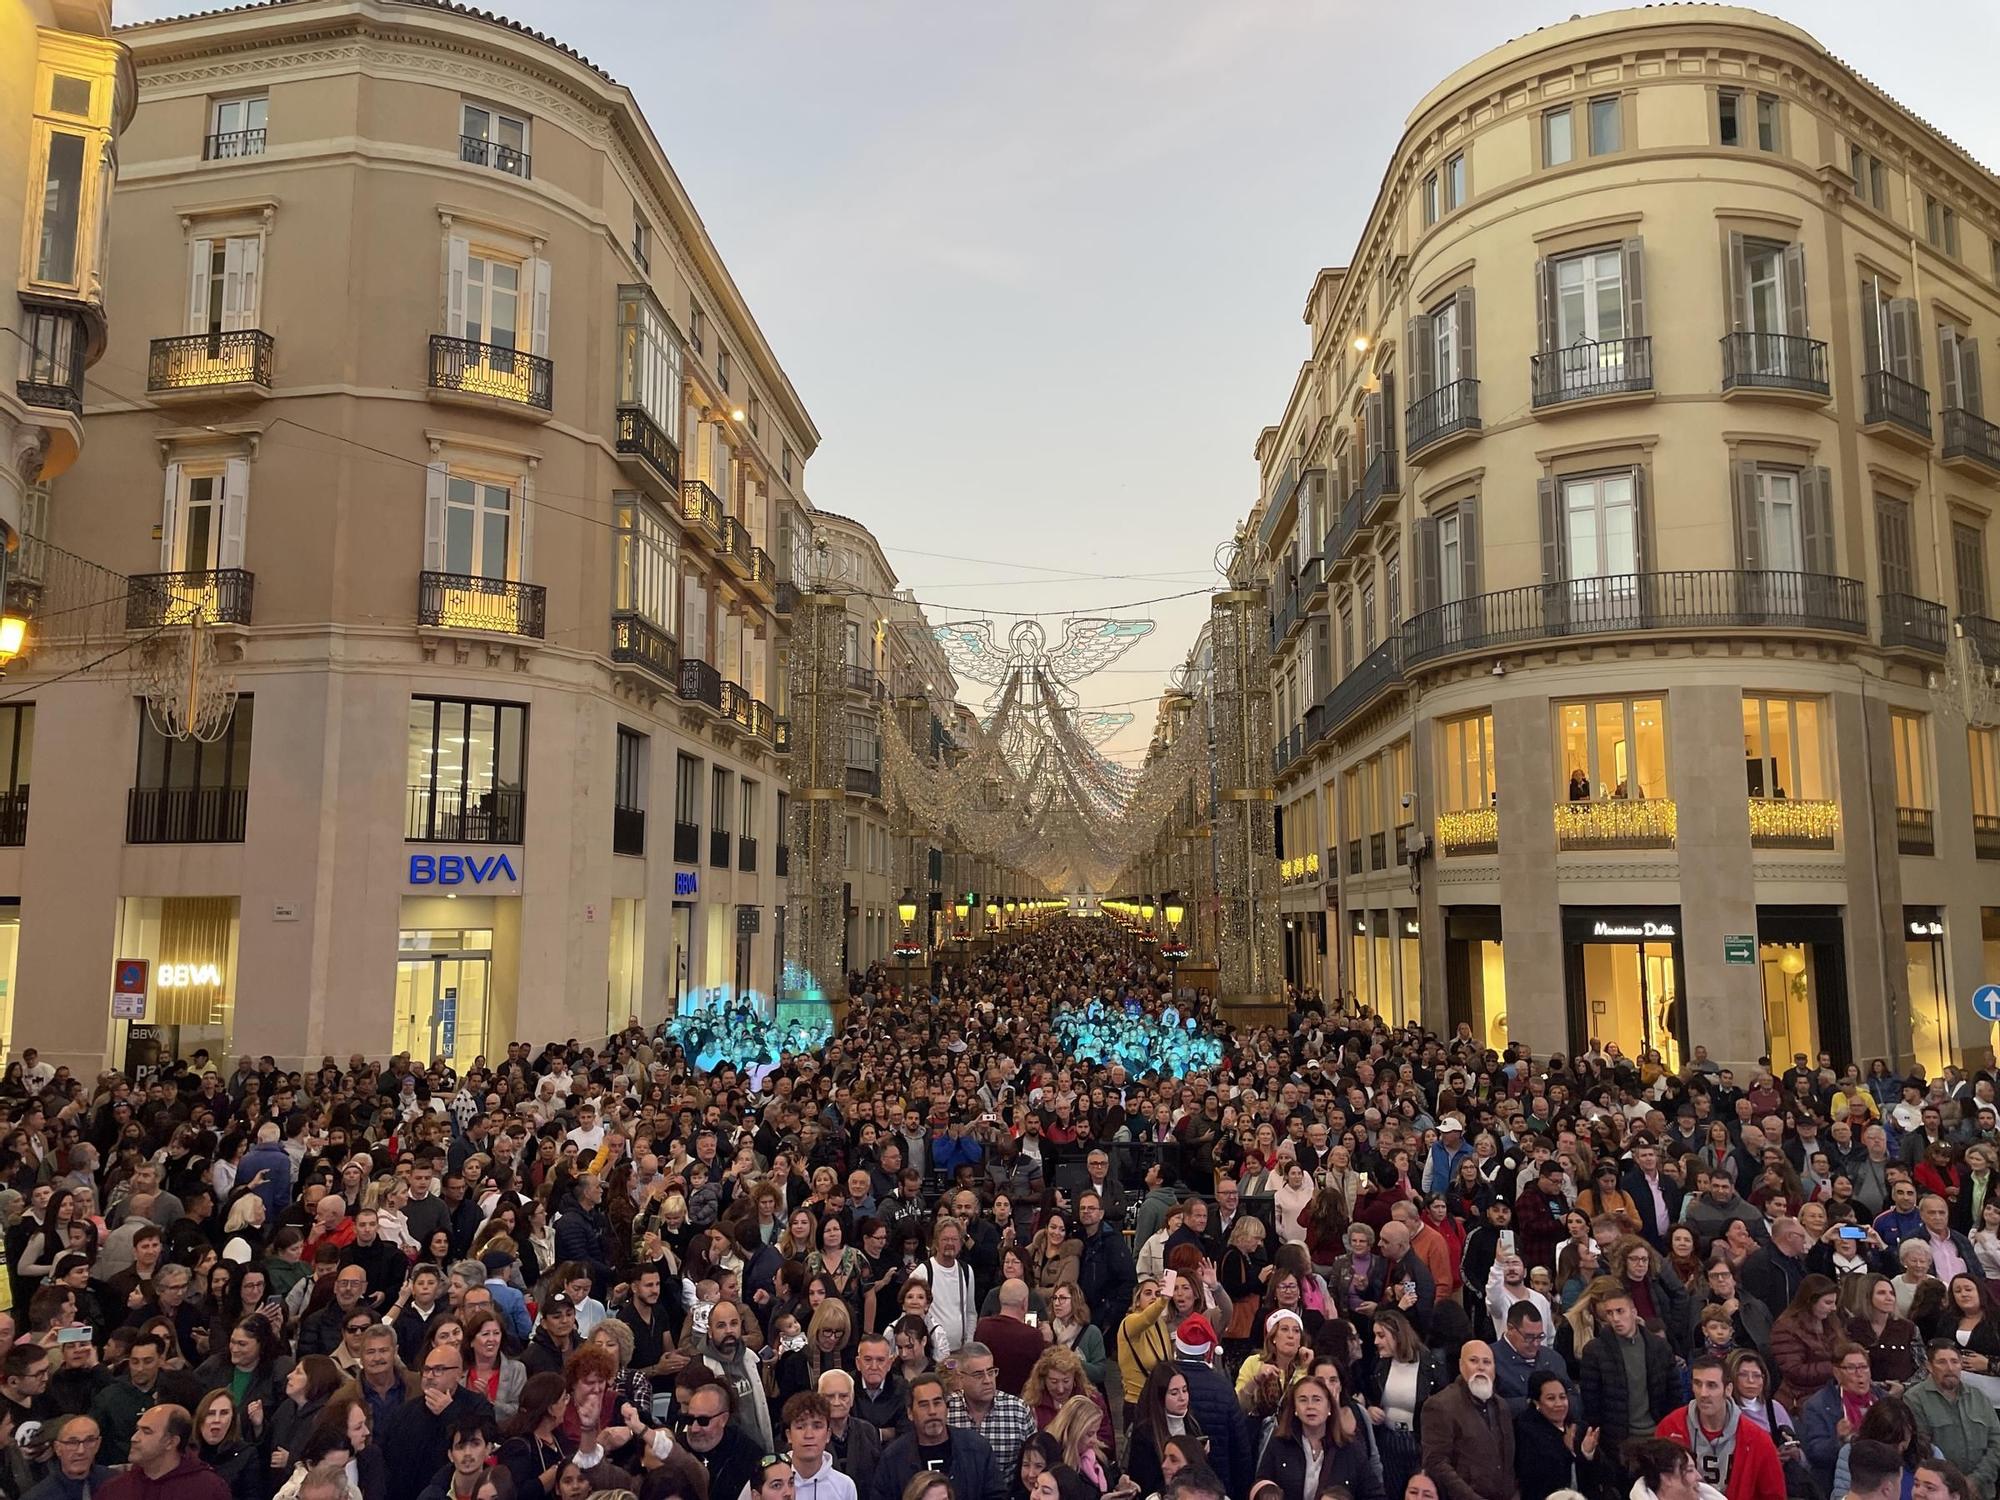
(587, 1140)
(952, 1302)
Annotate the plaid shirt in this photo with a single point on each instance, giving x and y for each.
(1007, 1427)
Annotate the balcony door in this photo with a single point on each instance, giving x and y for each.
(1601, 540)
(478, 528)
(492, 301)
(198, 540)
(1590, 310)
(1778, 514)
(202, 518)
(223, 281)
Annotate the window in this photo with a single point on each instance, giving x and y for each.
(1607, 124)
(785, 462)
(1779, 520)
(696, 325)
(1589, 297)
(649, 361)
(642, 241)
(17, 747)
(1613, 747)
(1430, 199)
(490, 137)
(236, 128)
(1940, 225)
(170, 764)
(1870, 183)
(61, 206)
(1984, 747)
(1782, 748)
(1769, 120)
(1451, 558)
(1728, 117)
(687, 790)
(492, 301)
(1959, 383)
(1367, 615)
(718, 798)
(1968, 566)
(648, 568)
(478, 528)
(722, 368)
(1558, 136)
(1467, 783)
(1444, 344)
(1454, 182)
(1600, 534)
(756, 414)
(1907, 732)
(201, 527)
(1392, 587)
(850, 837)
(1346, 663)
(1764, 264)
(467, 762)
(747, 827)
(1892, 545)
(861, 741)
(628, 810)
(68, 149)
(224, 277)
(784, 815)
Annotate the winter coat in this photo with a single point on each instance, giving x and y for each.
(1350, 1464)
(1467, 1456)
(1803, 1352)
(193, 1480)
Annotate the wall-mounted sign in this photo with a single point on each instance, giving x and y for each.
(460, 869)
(128, 989)
(1739, 949)
(284, 911)
(1926, 929)
(1604, 929)
(686, 883)
(185, 976)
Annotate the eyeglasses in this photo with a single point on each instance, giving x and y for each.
(698, 1419)
(80, 1442)
(452, 1370)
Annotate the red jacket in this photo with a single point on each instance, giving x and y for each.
(1754, 1470)
(193, 1480)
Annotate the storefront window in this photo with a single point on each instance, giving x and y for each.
(1789, 982)
(1384, 999)
(1932, 1037)
(1989, 966)
(445, 978)
(1613, 747)
(1784, 748)
(189, 943)
(1410, 975)
(1491, 1022)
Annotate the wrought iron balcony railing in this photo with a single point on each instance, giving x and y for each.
(1380, 480)
(1375, 672)
(1452, 408)
(1985, 636)
(1967, 435)
(470, 368)
(718, 848)
(864, 781)
(746, 854)
(221, 596)
(1684, 599)
(468, 601)
(786, 597)
(193, 361)
(1913, 624)
(736, 547)
(456, 815)
(687, 843)
(1617, 823)
(701, 508)
(1774, 362)
(1591, 367)
(641, 437)
(701, 683)
(763, 572)
(186, 814)
(639, 642)
(1986, 835)
(1894, 401)
(737, 706)
(480, 152)
(14, 818)
(760, 719)
(628, 830)
(54, 341)
(862, 679)
(781, 735)
(227, 145)
(1915, 831)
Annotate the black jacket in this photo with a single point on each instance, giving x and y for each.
(1601, 1373)
(413, 1441)
(1106, 1277)
(891, 1409)
(1232, 1449)
(731, 1464)
(973, 1474)
(1349, 1464)
(1634, 1183)
(1543, 1463)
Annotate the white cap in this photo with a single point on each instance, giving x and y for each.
(1450, 1123)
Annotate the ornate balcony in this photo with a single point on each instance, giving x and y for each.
(56, 344)
(638, 642)
(761, 720)
(864, 781)
(1915, 831)
(1894, 408)
(701, 683)
(1474, 831)
(230, 144)
(1380, 481)
(493, 606)
(736, 547)
(480, 152)
(1616, 823)
(491, 373)
(1913, 624)
(1703, 599)
(14, 818)
(220, 597)
(202, 362)
(1986, 836)
(863, 680)
(763, 576)
(1793, 823)
(1774, 363)
(1971, 443)
(701, 509)
(1590, 369)
(1379, 670)
(186, 814)
(737, 706)
(641, 438)
(1449, 411)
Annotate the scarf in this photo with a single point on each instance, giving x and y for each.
(1713, 1456)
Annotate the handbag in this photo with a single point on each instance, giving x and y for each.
(1242, 1319)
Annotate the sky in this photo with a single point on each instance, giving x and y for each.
(1037, 269)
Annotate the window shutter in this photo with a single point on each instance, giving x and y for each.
(1797, 324)
(199, 252)
(1545, 305)
(1372, 411)
(456, 254)
(1423, 357)
(1426, 529)
(1970, 397)
(540, 269)
(1468, 550)
(1816, 520)
(235, 512)
(434, 485)
(1906, 355)
(232, 284)
(1468, 367)
(170, 515)
(1635, 288)
(1871, 325)
(1547, 497)
(524, 562)
(1641, 520)
(1389, 410)
(1892, 543)
(1736, 276)
(1947, 368)
(1749, 520)
(253, 282)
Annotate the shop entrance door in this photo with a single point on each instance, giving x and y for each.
(441, 1006)
(1631, 998)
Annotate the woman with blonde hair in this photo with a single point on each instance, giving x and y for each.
(1576, 1327)
(1068, 1326)
(1282, 1360)
(1075, 1426)
(1057, 1379)
(828, 1340)
(390, 1198)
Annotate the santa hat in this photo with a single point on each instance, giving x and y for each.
(1195, 1338)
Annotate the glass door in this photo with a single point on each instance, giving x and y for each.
(1602, 523)
(441, 1001)
(1590, 320)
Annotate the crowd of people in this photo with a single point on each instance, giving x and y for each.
(942, 1258)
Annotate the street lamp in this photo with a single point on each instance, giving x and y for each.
(907, 948)
(1174, 950)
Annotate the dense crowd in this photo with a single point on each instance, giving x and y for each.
(943, 1259)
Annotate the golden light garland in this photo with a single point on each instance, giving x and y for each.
(1474, 831)
(1792, 823)
(1617, 823)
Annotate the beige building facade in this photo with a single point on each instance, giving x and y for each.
(426, 386)
(1630, 526)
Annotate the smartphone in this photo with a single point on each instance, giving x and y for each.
(77, 1335)
(1506, 1242)
(1168, 1282)
(1851, 1232)
(1033, 1319)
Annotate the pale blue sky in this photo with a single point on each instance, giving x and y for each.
(1037, 268)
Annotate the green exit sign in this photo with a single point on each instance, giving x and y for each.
(1739, 950)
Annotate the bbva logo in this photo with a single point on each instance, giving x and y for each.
(457, 869)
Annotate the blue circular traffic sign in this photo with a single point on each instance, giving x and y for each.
(1986, 1002)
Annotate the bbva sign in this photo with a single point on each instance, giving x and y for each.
(459, 869)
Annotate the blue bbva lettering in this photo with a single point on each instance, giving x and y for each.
(455, 869)
(451, 869)
(423, 870)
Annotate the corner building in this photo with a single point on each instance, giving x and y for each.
(428, 386)
(1639, 483)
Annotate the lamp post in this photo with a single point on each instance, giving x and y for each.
(907, 947)
(1174, 950)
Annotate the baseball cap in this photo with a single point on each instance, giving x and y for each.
(1450, 1123)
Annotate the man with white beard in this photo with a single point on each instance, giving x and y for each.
(1469, 1433)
